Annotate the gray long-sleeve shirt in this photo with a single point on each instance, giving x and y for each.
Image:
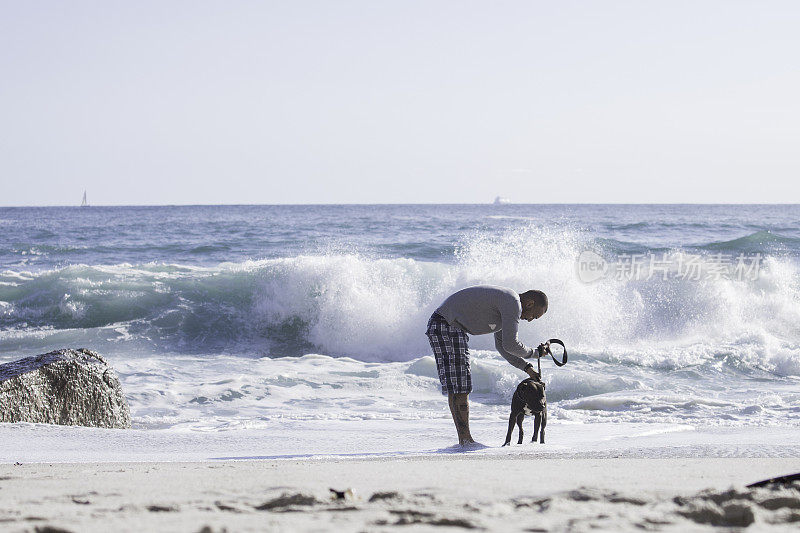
(485, 309)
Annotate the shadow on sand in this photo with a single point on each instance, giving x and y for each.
(456, 448)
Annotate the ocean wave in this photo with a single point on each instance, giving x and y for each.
(683, 225)
(375, 309)
(758, 242)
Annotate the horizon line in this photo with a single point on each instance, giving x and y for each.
(345, 204)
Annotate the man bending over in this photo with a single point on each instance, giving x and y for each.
(477, 311)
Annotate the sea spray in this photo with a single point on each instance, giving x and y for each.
(375, 309)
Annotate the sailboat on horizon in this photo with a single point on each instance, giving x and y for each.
(84, 203)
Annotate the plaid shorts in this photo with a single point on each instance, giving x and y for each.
(452, 355)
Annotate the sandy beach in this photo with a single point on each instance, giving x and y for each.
(406, 475)
(455, 491)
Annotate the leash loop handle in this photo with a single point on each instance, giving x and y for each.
(556, 361)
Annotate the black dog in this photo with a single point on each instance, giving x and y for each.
(529, 399)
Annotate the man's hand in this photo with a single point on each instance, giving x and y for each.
(541, 350)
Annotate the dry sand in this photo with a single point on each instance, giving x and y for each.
(442, 492)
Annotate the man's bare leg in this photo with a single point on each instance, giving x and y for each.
(459, 408)
(451, 404)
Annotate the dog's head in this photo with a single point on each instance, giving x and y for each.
(532, 393)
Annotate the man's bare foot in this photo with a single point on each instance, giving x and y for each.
(472, 446)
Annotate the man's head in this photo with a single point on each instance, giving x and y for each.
(534, 304)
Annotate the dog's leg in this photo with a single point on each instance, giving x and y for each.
(544, 423)
(537, 421)
(511, 420)
(520, 418)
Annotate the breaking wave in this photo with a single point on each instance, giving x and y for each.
(375, 309)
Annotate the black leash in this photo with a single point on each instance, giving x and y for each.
(563, 359)
(556, 361)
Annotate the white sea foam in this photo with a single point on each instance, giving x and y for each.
(190, 408)
(375, 309)
(220, 393)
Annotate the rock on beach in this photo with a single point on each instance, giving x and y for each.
(68, 387)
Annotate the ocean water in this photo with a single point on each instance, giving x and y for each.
(221, 318)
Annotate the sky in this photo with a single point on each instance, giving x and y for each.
(234, 102)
